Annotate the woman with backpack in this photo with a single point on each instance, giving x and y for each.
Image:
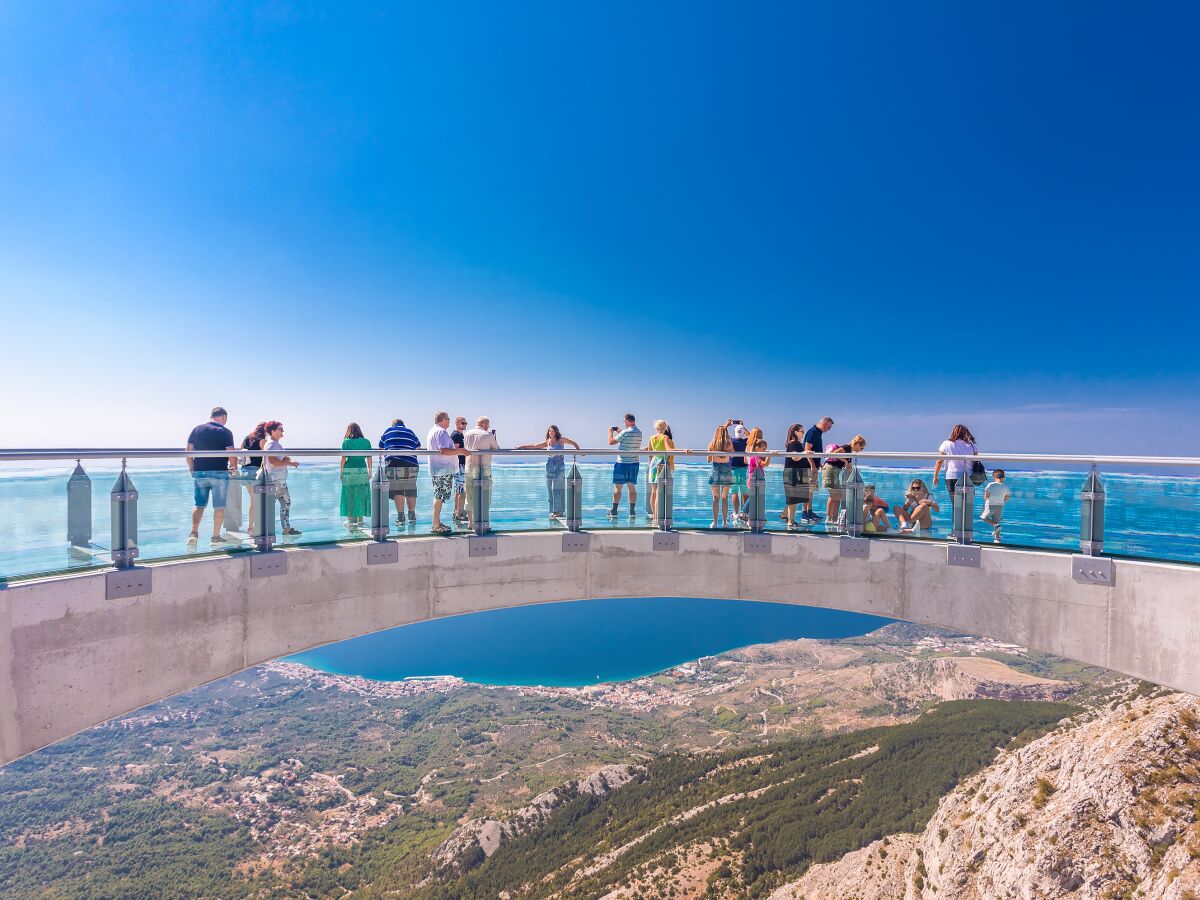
(960, 443)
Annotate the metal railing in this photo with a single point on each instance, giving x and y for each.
(124, 546)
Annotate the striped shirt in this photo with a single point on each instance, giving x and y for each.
(629, 439)
(399, 437)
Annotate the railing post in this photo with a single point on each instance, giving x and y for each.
(962, 508)
(574, 498)
(480, 487)
(854, 492)
(664, 503)
(380, 503)
(1091, 515)
(124, 520)
(264, 510)
(79, 508)
(757, 497)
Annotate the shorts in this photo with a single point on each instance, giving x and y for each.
(739, 479)
(625, 473)
(215, 483)
(656, 470)
(402, 481)
(249, 473)
(443, 485)
(460, 482)
(992, 514)
(721, 474)
(831, 477)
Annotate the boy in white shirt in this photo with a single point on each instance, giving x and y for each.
(995, 495)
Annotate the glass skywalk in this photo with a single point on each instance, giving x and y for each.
(1150, 516)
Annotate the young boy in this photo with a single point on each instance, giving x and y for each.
(995, 495)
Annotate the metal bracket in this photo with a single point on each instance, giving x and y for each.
(265, 565)
(482, 546)
(666, 540)
(124, 495)
(1092, 569)
(855, 547)
(127, 583)
(382, 552)
(575, 542)
(963, 555)
(756, 543)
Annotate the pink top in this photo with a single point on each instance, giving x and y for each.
(755, 463)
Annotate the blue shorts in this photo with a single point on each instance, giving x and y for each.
(215, 483)
(625, 473)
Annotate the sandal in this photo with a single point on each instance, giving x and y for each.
(442, 529)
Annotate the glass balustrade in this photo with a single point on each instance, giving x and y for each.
(56, 515)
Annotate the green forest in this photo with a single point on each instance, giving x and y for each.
(824, 801)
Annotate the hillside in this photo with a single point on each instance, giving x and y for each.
(1107, 810)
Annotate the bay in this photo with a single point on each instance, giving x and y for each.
(581, 642)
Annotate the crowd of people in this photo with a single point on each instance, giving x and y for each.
(460, 457)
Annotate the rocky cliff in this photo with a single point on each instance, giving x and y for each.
(1104, 810)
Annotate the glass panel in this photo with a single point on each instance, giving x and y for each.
(34, 519)
(527, 490)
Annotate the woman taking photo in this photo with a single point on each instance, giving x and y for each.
(356, 478)
(960, 443)
(720, 448)
(555, 469)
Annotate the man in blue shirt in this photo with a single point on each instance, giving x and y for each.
(401, 470)
(210, 474)
(814, 442)
(628, 440)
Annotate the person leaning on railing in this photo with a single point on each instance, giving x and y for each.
(556, 483)
(833, 475)
(795, 479)
(720, 479)
(814, 442)
(277, 471)
(356, 479)
(659, 465)
(477, 442)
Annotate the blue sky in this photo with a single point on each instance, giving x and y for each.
(903, 216)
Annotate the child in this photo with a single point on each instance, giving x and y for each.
(875, 520)
(995, 495)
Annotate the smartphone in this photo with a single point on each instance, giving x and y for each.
(493, 432)
(613, 428)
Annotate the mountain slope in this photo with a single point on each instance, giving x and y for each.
(1106, 810)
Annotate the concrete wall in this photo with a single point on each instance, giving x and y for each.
(70, 659)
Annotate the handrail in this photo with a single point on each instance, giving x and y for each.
(25, 455)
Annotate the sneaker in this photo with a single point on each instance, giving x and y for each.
(612, 513)
(712, 524)
(192, 538)
(792, 526)
(292, 531)
(218, 539)
(907, 528)
(633, 512)
(399, 523)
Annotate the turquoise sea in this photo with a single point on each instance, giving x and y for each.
(579, 643)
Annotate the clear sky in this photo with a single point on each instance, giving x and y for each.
(902, 215)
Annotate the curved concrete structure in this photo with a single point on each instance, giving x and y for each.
(70, 658)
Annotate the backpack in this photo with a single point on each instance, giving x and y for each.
(978, 473)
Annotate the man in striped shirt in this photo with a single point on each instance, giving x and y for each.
(401, 470)
(625, 471)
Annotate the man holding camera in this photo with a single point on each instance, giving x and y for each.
(625, 472)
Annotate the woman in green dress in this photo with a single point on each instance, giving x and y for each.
(356, 478)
